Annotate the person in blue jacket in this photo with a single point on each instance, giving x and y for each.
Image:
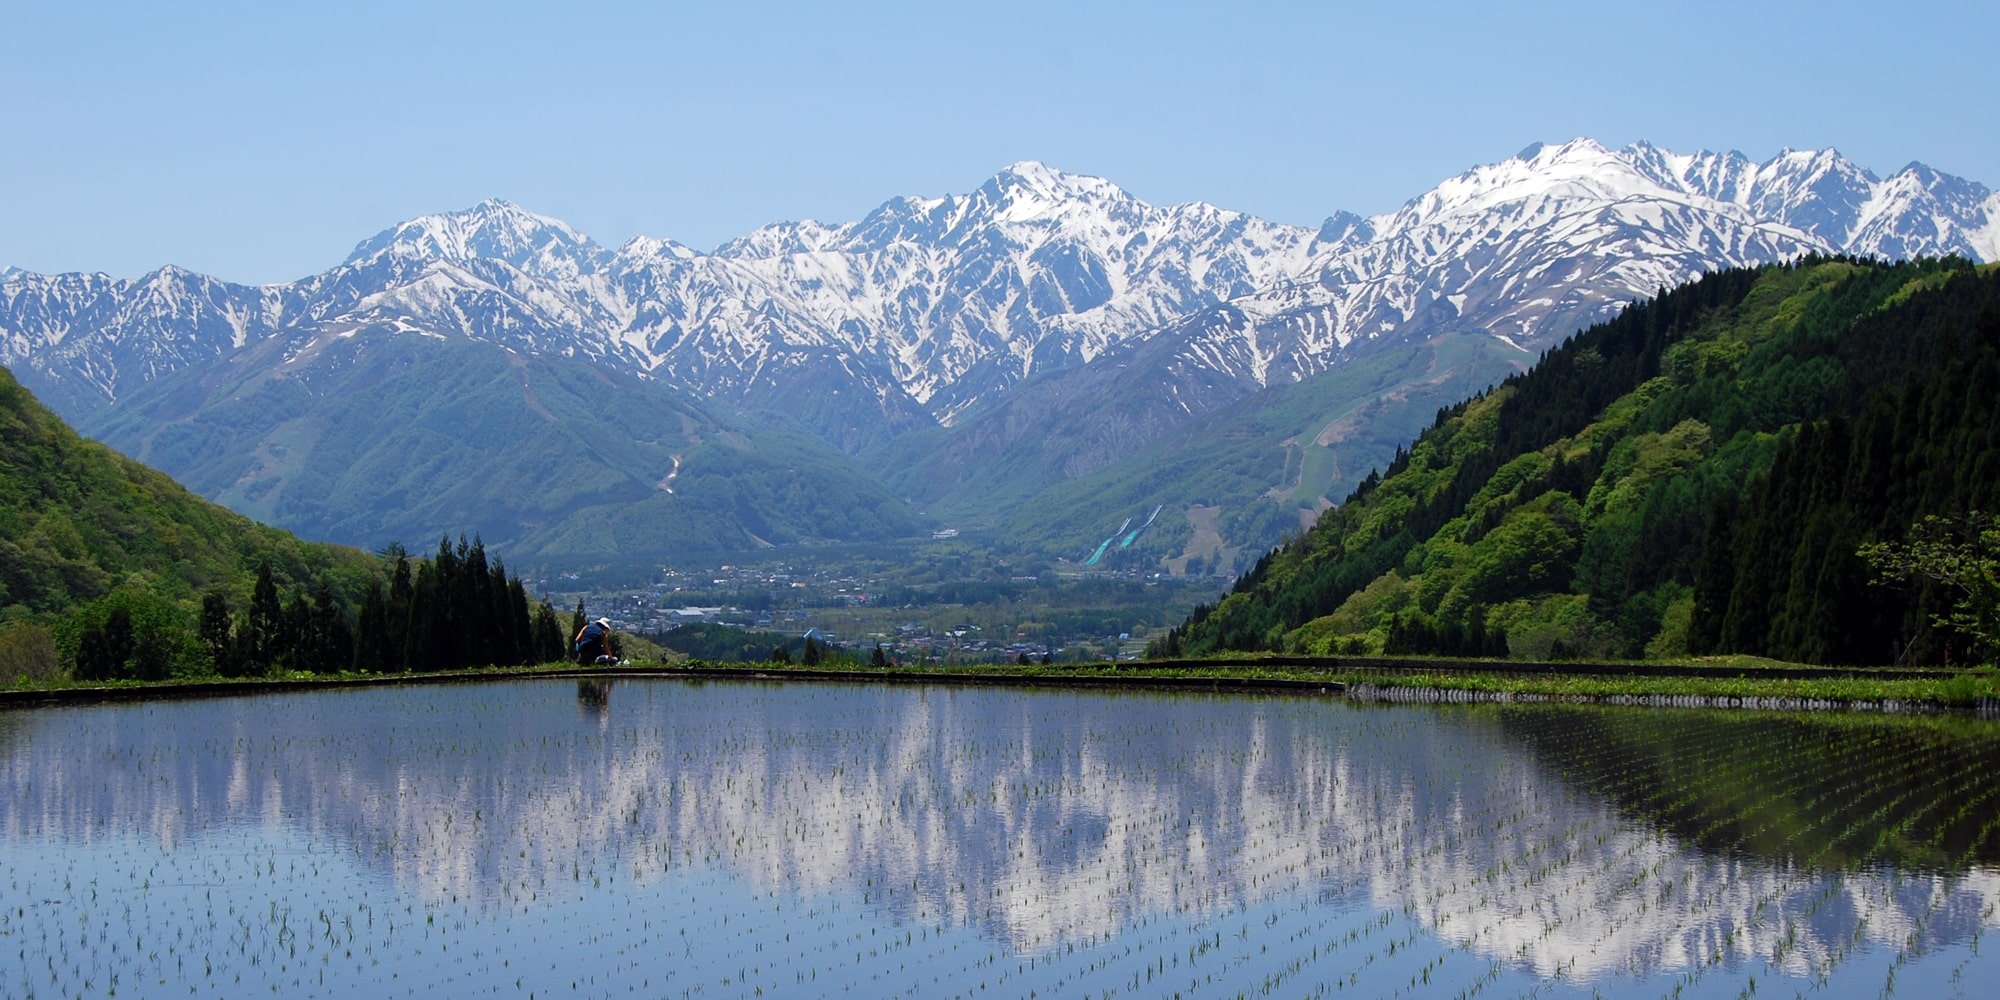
(593, 643)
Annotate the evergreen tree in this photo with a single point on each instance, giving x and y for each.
(373, 649)
(1476, 643)
(1713, 582)
(402, 596)
(333, 636)
(263, 625)
(103, 652)
(549, 645)
(216, 631)
(448, 613)
(481, 625)
(423, 649)
(299, 645)
(521, 645)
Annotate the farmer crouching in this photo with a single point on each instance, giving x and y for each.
(593, 643)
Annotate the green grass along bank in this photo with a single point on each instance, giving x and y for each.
(1719, 683)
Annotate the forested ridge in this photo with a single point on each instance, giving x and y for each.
(111, 570)
(1697, 475)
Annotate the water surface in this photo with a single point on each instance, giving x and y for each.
(667, 838)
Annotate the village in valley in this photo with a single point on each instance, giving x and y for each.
(856, 610)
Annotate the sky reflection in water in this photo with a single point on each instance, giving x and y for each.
(673, 838)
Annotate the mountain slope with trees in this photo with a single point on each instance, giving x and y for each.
(77, 520)
(376, 436)
(110, 570)
(1698, 475)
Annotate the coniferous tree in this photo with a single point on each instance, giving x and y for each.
(521, 620)
(402, 595)
(1476, 643)
(216, 631)
(103, 652)
(1713, 581)
(333, 636)
(549, 643)
(263, 625)
(373, 649)
(448, 612)
(1450, 639)
(423, 648)
(90, 659)
(480, 626)
(243, 660)
(298, 643)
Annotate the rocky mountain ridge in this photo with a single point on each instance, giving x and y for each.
(1043, 311)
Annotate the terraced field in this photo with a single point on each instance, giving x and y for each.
(722, 839)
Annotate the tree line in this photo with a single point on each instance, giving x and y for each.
(454, 611)
(1784, 573)
(1701, 474)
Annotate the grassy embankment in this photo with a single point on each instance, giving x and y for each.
(1713, 678)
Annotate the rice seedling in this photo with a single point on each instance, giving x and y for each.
(539, 838)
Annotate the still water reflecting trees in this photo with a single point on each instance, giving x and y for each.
(1078, 840)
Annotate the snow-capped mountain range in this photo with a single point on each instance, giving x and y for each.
(934, 312)
(1558, 236)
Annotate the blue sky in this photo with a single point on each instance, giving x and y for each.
(260, 142)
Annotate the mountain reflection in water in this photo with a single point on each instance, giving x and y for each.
(1551, 841)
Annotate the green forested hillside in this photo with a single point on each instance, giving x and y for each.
(78, 520)
(1695, 475)
(111, 570)
(90, 538)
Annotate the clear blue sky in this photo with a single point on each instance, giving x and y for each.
(261, 141)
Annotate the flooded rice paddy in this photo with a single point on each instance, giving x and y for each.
(673, 839)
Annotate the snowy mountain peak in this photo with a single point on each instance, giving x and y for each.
(1343, 229)
(1811, 160)
(781, 238)
(1048, 181)
(1541, 154)
(493, 229)
(652, 248)
(1032, 190)
(1918, 211)
(1578, 168)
